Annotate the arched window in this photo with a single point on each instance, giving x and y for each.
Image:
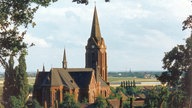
(105, 93)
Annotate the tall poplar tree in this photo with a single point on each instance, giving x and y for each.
(16, 82)
(21, 83)
(9, 82)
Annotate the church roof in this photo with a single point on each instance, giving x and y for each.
(95, 31)
(60, 76)
(41, 78)
(82, 79)
(70, 78)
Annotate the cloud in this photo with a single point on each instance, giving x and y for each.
(152, 38)
(59, 14)
(39, 42)
(136, 32)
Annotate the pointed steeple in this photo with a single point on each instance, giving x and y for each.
(64, 60)
(95, 31)
(43, 68)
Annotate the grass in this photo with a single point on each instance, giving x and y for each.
(119, 79)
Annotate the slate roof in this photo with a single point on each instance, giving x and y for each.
(70, 78)
(42, 78)
(82, 79)
(60, 76)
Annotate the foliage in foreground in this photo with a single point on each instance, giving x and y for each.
(15, 90)
(101, 102)
(178, 63)
(69, 102)
(35, 104)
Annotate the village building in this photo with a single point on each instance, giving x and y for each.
(84, 83)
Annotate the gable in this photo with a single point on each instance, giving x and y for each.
(82, 79)
(61, 77)
(42, 79)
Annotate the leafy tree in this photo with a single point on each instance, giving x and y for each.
(85, 1)
(156, 97)
(178, 63)
(126, 104)
(16, 102)
(16, 83)
(14, 14)
(133, 90)
(100, 102)
(35, 104)
(9, 83)
(69, 102)
(176, 99)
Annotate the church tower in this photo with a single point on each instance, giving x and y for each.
(96, 56)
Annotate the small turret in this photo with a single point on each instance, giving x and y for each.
(64, 60)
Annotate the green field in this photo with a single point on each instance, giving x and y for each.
(119, 79)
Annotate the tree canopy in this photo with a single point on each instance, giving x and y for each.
(178, 63)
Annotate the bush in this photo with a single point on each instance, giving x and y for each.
(69, 102)
(126, 104)
(35, 104)
(16, 102)
(100, 102)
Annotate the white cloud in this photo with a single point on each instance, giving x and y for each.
(165, 9)
(155, 39)
(131, 28)
(59, 14)
(39, 42)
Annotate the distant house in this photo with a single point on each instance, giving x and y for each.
(89, 82)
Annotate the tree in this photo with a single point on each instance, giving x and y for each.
(126, 104)
(178, 63)
(133, 91)
(9, 83)
(21, 83)
(100, 102)
(16, 102)
(85, 1)
(35, 104)
(69, 102)
(176, 99)
(156, 97)
(16, 83)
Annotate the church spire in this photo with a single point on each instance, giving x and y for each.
(95, 31)
(43, 68)
(64, 60)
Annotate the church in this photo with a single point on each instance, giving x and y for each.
(84, 83)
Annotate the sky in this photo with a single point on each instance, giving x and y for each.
(137, 33)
